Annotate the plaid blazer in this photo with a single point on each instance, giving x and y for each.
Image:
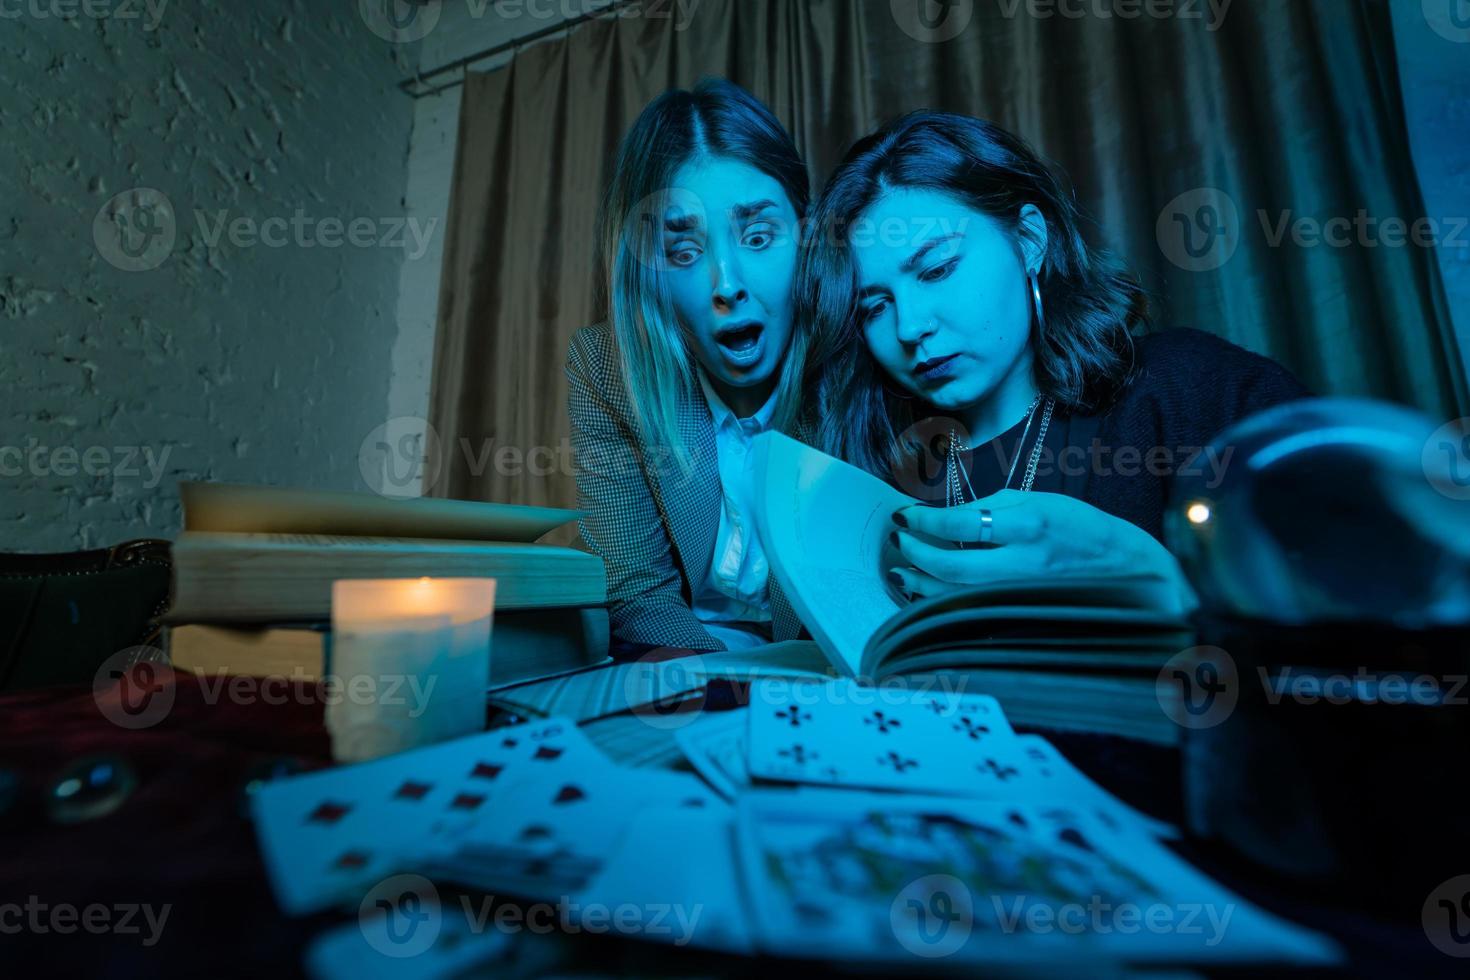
(653, 525)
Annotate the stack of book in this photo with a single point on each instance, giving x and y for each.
(254, 566)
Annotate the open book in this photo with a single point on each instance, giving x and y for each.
(825, 528)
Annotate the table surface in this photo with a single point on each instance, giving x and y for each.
(183, 839)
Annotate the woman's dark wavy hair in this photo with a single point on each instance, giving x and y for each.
(1091, 302)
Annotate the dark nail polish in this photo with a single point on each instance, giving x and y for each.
(895, 579)
(893, 538)
(899, 519)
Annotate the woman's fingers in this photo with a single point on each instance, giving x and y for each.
(920, 584)
(958, 566)
(1010, 523)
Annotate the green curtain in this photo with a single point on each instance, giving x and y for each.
(1207, 151)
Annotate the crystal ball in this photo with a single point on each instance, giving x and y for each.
(1329, 510)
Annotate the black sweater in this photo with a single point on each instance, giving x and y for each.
(1188, 386)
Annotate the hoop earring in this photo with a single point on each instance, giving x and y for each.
(1036, 303)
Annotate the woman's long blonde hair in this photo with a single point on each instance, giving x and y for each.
(717, 119)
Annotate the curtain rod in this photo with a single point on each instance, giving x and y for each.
(420, 79)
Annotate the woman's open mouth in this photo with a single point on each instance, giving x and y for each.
(935, 369)
(741, 343)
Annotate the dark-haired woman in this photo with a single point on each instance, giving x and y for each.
(698, 355)
(976, 352)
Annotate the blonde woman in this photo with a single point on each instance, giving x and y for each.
(698, 355)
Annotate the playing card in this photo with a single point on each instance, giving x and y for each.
(560, 827)
(328, 835)
(842, 734)
(368, 950)
(1072, 784)
(694, 900)
(715, 746)
(883, 877)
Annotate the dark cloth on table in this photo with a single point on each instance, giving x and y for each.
(183, 839)
(1187, 387)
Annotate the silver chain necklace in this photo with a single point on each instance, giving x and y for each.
(954, 470)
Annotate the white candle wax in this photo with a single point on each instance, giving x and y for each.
(413, 660)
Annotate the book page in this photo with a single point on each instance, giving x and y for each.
(824, 526)
(236, 507)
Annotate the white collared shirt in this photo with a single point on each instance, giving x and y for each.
(732, 597)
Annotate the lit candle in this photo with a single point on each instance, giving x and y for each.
(411, 658)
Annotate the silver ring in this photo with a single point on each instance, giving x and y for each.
(987, 526)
